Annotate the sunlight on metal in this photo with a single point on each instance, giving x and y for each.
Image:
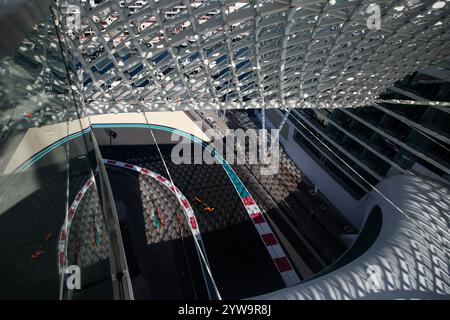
(191, 55)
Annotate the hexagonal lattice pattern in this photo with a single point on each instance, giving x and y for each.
(198, 54)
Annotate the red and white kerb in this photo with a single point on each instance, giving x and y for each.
(275, 250)
(64, 233)
(63, 236)
(187, 208)
(280, 259)
(277, 253)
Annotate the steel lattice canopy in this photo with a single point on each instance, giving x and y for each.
(192, 54)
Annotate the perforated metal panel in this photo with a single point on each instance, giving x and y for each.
(192, 54)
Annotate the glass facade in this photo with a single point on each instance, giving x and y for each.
(371, 141)
(426, 86)
(58, 216)
(46, 167)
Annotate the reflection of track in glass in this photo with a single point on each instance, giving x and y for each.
(23, 227)
(78, 225)
(189, 215)
(308, 221)
(165, 269)
(64, 233)
(238, 256)
(151, 238)
(235, 250)
(37, 201)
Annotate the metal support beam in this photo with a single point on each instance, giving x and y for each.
(119, 269)
(280, 127)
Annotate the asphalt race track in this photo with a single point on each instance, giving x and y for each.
(163, 260)
(239, 261)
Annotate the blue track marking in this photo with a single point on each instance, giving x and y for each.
(241, 189)
(290, 278)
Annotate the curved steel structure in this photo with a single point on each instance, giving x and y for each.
(166, 55)
(222, 54)
(407, 257)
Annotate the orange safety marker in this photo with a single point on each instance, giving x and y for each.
(209, 209)
(37, 254)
